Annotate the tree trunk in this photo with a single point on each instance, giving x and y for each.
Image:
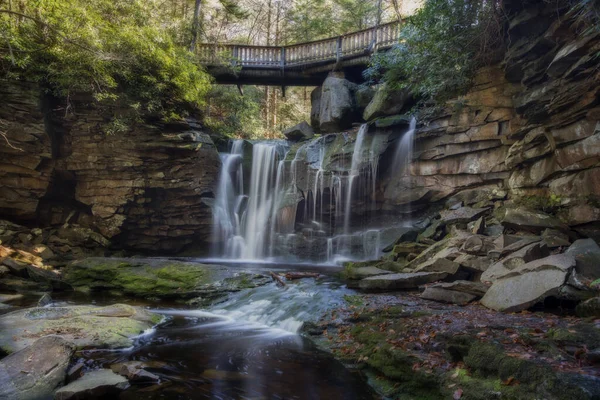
(195, 25)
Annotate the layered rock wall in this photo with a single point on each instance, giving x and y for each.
(144, 189)
(528, 129)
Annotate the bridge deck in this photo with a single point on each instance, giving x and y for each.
(298, 64)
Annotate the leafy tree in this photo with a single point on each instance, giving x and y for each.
(118, 50)
(440, 47)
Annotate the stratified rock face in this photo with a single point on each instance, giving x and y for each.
(529, 129)
(36, 371)
(26, 152)
(143, 189)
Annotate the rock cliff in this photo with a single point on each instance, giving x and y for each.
(144, 189)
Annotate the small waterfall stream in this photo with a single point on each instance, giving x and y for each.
(304, 207)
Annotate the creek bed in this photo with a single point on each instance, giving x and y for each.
(246, 347)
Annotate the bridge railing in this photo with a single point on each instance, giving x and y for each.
(325, 50)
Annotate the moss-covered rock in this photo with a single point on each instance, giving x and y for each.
(161, 279)
(84, 326)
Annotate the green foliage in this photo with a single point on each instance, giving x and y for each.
(233, 115)
(118, 50)
(440, 48)
(308, 20)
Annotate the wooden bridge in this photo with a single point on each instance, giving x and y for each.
(303, 64)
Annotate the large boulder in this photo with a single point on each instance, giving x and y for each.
(529, 284)
(83, 326)
(533, 221)
(400, 281)
(35, 371)
(315, 108)
(338, 108)
(385, 102)
(299, 132)
(99, 384)
(587, 257)
(153, 278)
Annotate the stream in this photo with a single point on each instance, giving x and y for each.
(247, 347)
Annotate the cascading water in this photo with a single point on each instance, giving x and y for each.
(404, 150)
(315, 205)
(241, 222)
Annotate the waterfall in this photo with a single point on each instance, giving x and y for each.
(243, 223)
(404, 150)
(260, 200)
(228, 204)
(354, 173)
(306, 206)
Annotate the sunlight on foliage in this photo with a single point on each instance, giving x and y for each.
(118, 50)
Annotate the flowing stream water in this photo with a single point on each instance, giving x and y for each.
(245, 348)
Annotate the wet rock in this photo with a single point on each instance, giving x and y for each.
(447, 296)
(528, 253)
(403, 249)
(589, 308)
(457, 292)
(474, 263)
(529, 284)
(84, 326)
(462, 215)
(532, 221)
(134, 371)
(364, 272)
(93, 385)
(587, 256)
(534, 251)
(400, 281)
(155, 278)
(20, 285)
(475, 288)
(478, 226)
(75, 372)
(515, 243)
(48, 276)
(477, 245)
(35, 371)
(554, 238)
(439, 265)
(299, 132)
(16, 268)
(44, 300)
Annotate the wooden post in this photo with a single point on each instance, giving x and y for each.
(235, 56)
